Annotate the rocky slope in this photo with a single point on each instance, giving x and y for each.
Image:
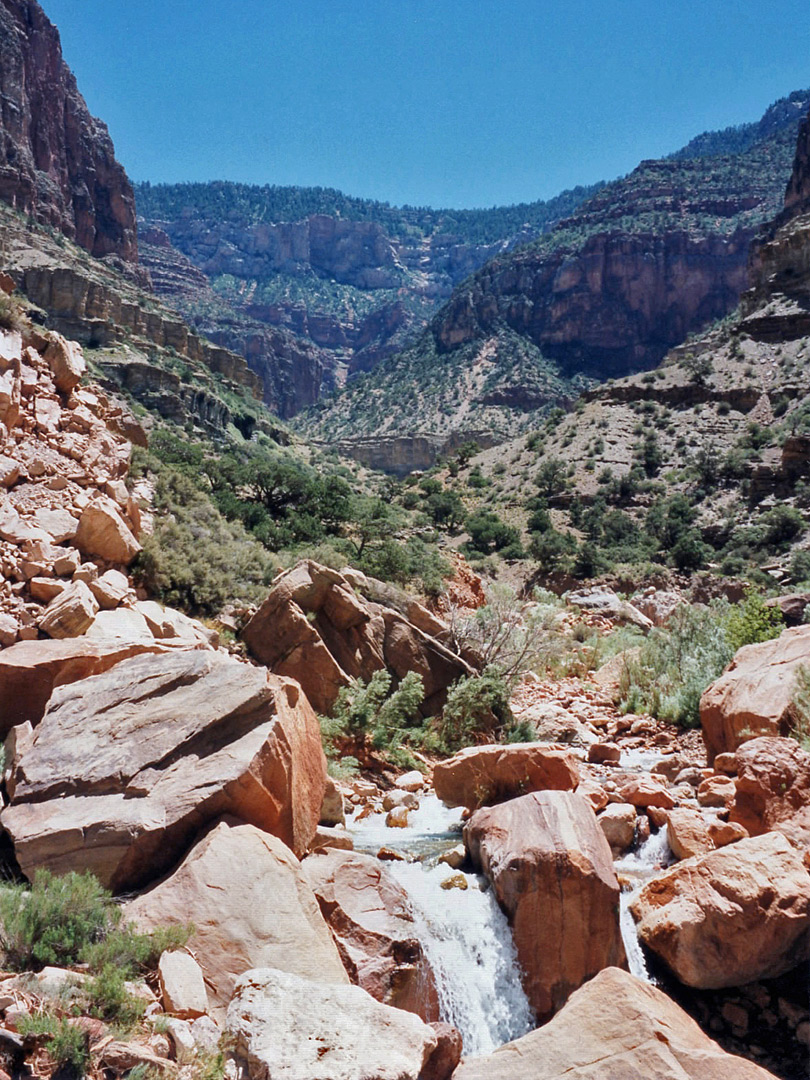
(636, 269)
(57, 162)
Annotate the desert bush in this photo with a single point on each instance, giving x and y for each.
(477, 705)
(65, 1043)
(369, 715)
(800, 705)
(751, 621)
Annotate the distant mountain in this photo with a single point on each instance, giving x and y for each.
(645, 262)
(311, 285)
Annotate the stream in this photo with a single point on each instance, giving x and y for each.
(465, 935)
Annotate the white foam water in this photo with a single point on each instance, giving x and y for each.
(464, 934)
(639, 866)
(468, 943)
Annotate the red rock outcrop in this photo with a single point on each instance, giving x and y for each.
(482, 775)
(730, 917)
(127, 767)
(754, 694)
(57, 162)
(552, 871)
(313, 627)
(370, 917)
(615, 1027)
(773, 790)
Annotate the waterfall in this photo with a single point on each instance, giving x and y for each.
(468, 943)
(464, 934)
(637, 868)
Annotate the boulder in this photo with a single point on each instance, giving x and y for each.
(723, 833)
(618, 822)
(772, 789)
(30, 670)
(285, 1027)
(182, 987)
(127, 767)
(552, 872)
(604, 754)
(314, 628)
(332, 810)
(716, 791)
(645, 791)
(688, 833)
(369, 915)
(481, 775)
(731, 917)
(250, 904)
(70, 613)
(615, 1027)
(103, 532)
(66, 362)
(110, 589)
(753, 696)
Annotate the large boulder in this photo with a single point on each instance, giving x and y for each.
(773, 789)
(288, 1028)
(615, 1027)
(127, 767)
(482, 775)
(369, 914)
(553, 875)
(314, 628)
(754, 695)
(30, 670)
(250, 904)
(103, 532)
(734, 916)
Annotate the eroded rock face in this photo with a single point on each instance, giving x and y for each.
(314, 628)
(369, 914)
(250, 903)
(287, 1027)
(482, 775)
(615, 1027)
(56, 161)
(753, 695)
(730, 917)
(127, 767)
(552, 871)
(773, 790)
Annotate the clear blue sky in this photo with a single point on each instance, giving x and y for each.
(430, 102)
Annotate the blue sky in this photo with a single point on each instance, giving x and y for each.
(456, 103)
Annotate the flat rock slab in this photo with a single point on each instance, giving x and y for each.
(482, 775)
(615, 1027)
(251, 905)
(126, 768)
(731, 917)
(288, 1028)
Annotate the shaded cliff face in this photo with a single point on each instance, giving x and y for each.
(647, 261)
(57, 162)
(797, 198)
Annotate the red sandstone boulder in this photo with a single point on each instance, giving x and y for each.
(753, 695)
(128, 766)
(370, 918)
(103, 532)
(314, 628)
(30, 670)
(250, 904)
(730, 917)
(615, 1027)
(482, 775)
(688, 833)
(645, 791)
(716, 791)
(773, 789)
(551, 868)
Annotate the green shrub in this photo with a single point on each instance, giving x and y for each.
(369, 715)
(65, 1043)
(800, 705)
(108, 998)
(751, 621)
(475, 705)
(54, 921)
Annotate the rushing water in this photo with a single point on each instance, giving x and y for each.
(463, 932)
(637, 868)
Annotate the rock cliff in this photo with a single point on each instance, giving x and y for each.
(57, 162)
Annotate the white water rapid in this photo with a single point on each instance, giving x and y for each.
(636, 869)
(463, 932)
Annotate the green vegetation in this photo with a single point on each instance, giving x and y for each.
(676, 664)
